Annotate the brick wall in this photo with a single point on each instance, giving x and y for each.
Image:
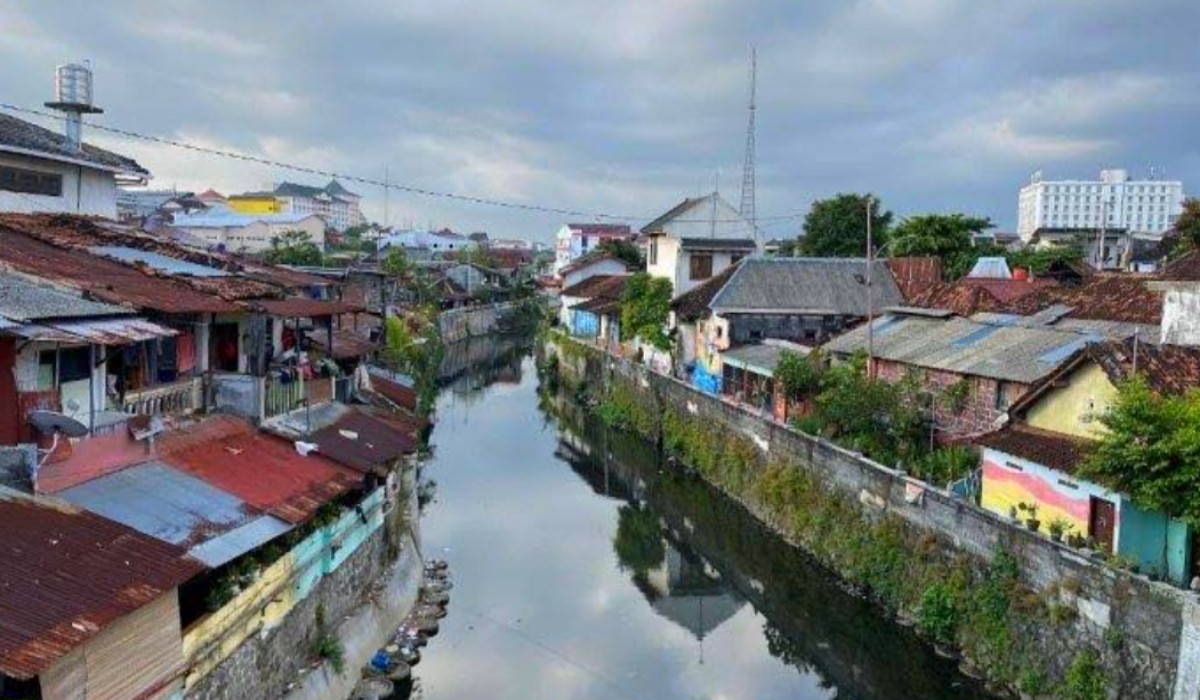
(980, 413)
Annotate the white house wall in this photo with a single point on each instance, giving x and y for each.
(84, 190)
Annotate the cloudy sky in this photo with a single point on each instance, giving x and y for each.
(624, 107)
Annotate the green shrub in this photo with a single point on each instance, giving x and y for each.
(938, 614)
(1084, 680)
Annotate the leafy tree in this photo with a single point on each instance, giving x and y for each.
(414, 347)
(1151, 450)
(645, 309)
(397, 264)
(879, 418)
(622, 250)
(947, 236)
(837, 227)
(799, 375)
(1039, 260)
(1185, 234)
(293, 247)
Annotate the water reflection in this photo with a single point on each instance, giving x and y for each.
(585, 570)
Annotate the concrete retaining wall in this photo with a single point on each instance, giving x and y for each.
(1158, 625)
(460, 324)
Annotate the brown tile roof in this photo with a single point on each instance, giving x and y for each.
(693, 304)
(1050, 449)
(915, 275)
(963, 300)
(1105, 297)
(1008, 290)
(1168, 369)
(300, 306)
(346, 343)
(366, 442)
(606, 286)
(1185, 269)
(604, 230)
(67, 574)
(589, 259)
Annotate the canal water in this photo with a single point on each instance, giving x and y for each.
(583, 569)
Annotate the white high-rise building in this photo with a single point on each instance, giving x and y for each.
(1112, 202)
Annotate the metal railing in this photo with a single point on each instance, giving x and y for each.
(281, 396)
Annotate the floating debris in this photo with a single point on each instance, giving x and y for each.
(394, 662)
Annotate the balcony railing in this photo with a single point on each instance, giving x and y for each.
(183, 396)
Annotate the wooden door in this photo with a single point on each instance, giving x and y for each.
(1102, 523)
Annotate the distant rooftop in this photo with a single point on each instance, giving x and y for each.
(20, 136)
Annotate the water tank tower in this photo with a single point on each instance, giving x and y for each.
(73, 96)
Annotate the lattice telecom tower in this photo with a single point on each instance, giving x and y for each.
(747, 207)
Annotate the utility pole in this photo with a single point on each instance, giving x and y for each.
(748, 175)
(870, 297)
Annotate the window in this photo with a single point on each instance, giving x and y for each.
(736, 258)
(1003, 396)
(653, 251)
(700, 267)
(30, 181)
(74, 364)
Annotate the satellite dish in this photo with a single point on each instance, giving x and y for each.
(54, 423)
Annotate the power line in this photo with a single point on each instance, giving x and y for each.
(421, 191)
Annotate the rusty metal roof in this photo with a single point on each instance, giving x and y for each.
(171, 505)
(103, 279)
(120, 331)
(299, 306)
(365, 442)
(263, 470)
(67, 574)
(25, 300)
(346, 343)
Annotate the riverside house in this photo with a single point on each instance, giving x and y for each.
(1034, 460)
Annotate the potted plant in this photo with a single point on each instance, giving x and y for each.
(1032, 521)
(1057, 527)
(1012, 512)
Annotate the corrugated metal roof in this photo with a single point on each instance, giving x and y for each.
(119, 331)
(761, 359)
(363, 441)
(170, 505)
(104, 279)
(263, 470)
(22, 299)
(346, 344)
(300, 306)
(233, 544)
(157, 261)
(67, 574)
(799, 285)
(962, 346)
(990, 268)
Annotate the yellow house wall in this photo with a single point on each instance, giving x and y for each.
(255, 205)
(260, 607)
(1074, 409)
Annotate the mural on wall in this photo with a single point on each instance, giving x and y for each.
(1005, 488)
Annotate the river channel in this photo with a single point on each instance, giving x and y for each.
(585, 569)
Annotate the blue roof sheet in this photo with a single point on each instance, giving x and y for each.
(158, 261)
(173, 506)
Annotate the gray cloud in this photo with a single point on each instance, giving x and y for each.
(628, 106)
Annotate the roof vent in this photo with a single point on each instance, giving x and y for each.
(73, 96)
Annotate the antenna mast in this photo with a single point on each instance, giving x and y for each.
(747, 206)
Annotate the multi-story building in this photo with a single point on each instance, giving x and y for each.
(695, 240)
(247, 233)
(576, 240)
(338, 206)
(1114, 201)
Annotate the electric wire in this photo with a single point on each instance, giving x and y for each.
(398, 187)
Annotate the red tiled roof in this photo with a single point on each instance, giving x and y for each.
(1185, 269)
(262, 470)
(1167, 369)
(66, 574)
(693, 304)
(607, 286)
(1103, 297)
(1050, 449)
(1008, 290)
(915, 275)
(589, 259)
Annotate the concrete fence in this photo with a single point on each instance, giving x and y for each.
(1159, 625)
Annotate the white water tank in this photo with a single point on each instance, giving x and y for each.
(73, 85)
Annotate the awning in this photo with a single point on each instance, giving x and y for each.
(121, 331)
